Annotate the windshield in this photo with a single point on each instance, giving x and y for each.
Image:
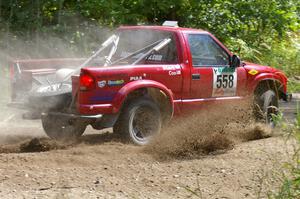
(131, 45)
(133, 40)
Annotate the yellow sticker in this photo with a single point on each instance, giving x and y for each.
(253, 72)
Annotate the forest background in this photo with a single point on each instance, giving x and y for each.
(261, 31)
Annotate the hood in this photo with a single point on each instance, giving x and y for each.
(262, 69)
(265, 69)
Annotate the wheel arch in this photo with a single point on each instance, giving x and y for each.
(159, 93)
(269, 84)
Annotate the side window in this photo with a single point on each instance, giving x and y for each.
(206, 52)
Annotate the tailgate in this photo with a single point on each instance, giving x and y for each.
(27, 74)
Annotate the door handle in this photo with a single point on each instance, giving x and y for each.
(196, 76)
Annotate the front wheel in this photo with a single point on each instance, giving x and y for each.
(139, 121)
(268, 105)
(60, 128)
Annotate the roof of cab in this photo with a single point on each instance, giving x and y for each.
(164, 28)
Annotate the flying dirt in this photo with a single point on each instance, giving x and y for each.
(197, 157)
(221, 151)
(136, 84)
(196, 134)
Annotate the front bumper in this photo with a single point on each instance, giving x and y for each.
(287, 97)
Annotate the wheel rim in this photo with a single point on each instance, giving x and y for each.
(143, 124)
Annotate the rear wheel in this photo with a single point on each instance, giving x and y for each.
(60, 128)
(139, 121)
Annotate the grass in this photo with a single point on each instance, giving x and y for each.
(290, 181)
(294, 86)
(290, 187)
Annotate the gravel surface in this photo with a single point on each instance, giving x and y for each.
(101, 167)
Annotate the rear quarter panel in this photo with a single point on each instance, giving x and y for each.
(113, 82)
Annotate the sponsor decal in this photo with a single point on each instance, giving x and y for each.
(224, 70)
(134, 78)
(101, 84)
(103, 96)
(173, 70)
(169, 67)
(173, 73)
(253, 72)
(155, 57)
(115, 82)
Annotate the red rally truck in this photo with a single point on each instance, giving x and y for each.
(139, 79)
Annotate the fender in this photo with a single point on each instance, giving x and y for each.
(266, 76)
(134, 85)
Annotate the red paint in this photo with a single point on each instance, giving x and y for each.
(183, 92)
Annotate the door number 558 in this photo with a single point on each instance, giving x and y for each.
(225, 81)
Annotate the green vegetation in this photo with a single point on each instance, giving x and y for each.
(290, 187)
(294, 85)
(263, 31)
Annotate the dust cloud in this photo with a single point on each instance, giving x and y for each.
(14, 130)
(213, 130)
(210, 131)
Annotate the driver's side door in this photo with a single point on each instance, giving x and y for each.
(211, 74)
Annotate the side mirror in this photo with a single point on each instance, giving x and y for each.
(235, 61)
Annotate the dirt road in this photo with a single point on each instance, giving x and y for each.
(99, 166)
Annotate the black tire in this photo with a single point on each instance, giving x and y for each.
(62, 129)
(267, 104)
(139, 121)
